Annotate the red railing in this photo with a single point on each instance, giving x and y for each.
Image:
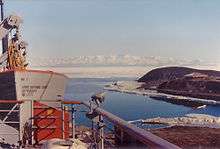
(42, 117)
(152, 141)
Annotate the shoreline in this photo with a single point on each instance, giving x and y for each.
(215, 97)
(133, 87)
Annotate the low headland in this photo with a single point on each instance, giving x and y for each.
(204, 84)
(177, 85)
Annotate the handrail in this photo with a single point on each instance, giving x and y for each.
(12, 101)
(72, 102)
(52, 120)
(144, 136)
(8, 113)
(22, 101)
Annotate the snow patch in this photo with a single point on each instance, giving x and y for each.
(201, 120)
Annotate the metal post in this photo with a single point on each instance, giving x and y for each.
(32, 121)
(2, 11)
(93, 127)
(121, 136)
(5, 39)
(90, 106)
(93, 130)
(101, 132)
(19, 125)
(73, 122)
(62, 119)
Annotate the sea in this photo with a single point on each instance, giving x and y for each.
(129, 107)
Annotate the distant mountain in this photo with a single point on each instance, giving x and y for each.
(157, 76)
(113, 60)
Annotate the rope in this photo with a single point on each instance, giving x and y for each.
(47, 85)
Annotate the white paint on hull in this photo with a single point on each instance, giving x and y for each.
(38, 85)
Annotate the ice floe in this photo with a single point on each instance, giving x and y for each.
(201, 120)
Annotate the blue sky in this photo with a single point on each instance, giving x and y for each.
(186, 29)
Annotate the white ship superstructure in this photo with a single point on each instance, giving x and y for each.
(18, 83)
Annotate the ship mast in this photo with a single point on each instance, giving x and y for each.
(5, 39)
(13, 48)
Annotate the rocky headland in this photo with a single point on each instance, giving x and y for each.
(184, 81)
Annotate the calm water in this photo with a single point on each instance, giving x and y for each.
(128, 106)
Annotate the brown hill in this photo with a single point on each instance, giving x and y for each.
(160, 75)
(198, 87)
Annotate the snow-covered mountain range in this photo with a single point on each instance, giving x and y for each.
(114, 60)
(113, 65)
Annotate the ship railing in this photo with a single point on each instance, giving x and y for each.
(13, 112)
(64, 107)
(10, 109)
(123, 130)
(101, 118)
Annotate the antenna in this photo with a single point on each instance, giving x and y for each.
(2, 12)
(5, 39)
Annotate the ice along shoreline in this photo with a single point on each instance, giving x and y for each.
(134, 87)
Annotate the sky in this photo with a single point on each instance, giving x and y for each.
(185, 29)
